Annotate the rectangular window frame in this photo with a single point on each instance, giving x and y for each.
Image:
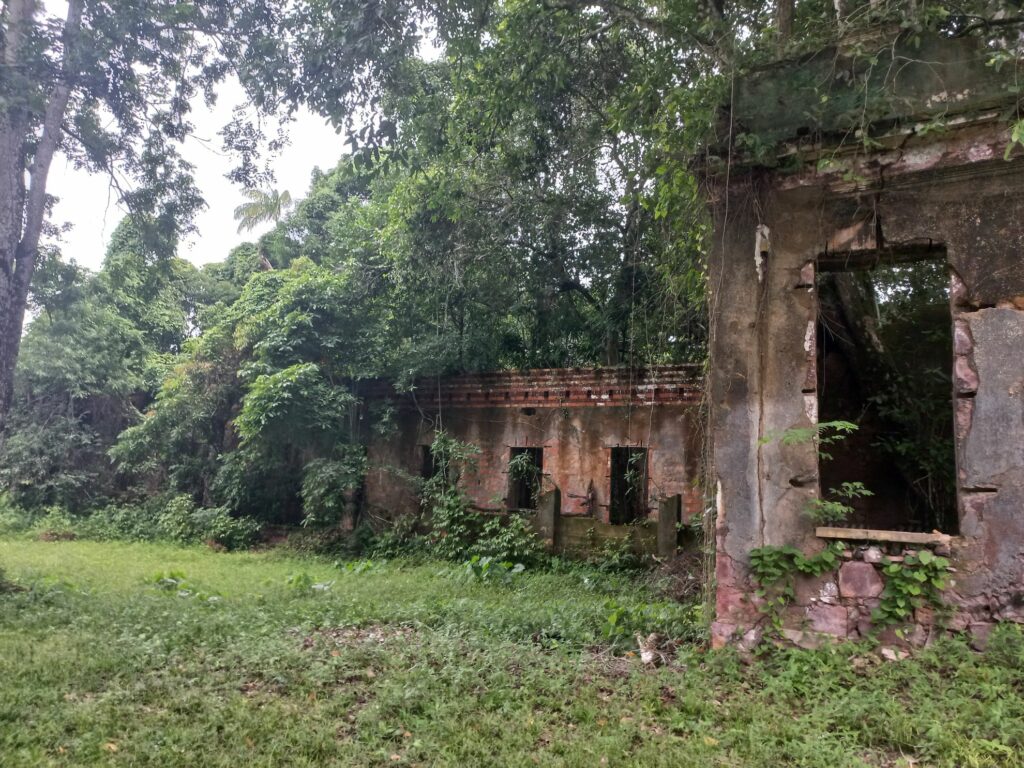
(621, 510)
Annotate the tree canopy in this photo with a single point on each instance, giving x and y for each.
(521, 192)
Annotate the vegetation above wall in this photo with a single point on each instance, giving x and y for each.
(524, 199)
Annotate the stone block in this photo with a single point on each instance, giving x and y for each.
(917, 636)
(751, 639)
(863, 625)
(980, 632)
(669, 515)
(806, 640)
(959, 622)
(731, 602)
(873, 555)
(859, 579)
(963, 344)
(828, 619)
(829, 593)
(722, 634)
(811, 589)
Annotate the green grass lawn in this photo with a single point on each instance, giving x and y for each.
(403, 664)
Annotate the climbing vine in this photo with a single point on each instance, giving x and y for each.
(775, 568)
(914, 583)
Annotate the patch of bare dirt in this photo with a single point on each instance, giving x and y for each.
(378, 634)
(57, 536)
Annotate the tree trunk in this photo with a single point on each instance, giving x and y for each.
(22, 210)
(11, 320)
(784, 21)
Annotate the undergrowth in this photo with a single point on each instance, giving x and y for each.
(155, 655)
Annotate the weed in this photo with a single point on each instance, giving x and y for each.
(303, 583)
(829, 511)
(486, 677)
(488, 569)
(674, 621)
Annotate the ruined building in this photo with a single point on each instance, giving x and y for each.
(599, 450)
(868, 267)
(867, 360)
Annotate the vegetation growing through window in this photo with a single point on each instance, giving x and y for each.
(628, 485)
(525, 473)
(885, 362)
(833, 507)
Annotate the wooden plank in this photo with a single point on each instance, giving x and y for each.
(870, 534)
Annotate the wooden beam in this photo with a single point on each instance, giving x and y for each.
(870, 534)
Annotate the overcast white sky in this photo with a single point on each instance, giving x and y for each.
(91, 206)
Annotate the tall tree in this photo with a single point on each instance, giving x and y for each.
(262, 207)
(112, 85)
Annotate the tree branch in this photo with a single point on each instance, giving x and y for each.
(620, 12)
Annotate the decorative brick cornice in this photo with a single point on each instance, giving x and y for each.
(549, 388)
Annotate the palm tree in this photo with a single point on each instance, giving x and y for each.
(262, 206)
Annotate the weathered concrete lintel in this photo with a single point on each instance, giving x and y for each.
(870, 534)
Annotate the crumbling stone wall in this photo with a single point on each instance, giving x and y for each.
(952, 189)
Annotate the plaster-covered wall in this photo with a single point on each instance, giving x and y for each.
(955, 191)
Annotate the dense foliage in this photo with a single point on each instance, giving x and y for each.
(98, 349)
(521, 192)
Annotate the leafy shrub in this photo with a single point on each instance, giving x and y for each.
(458, 532)
(454, 527)
(488, 569)
(126, 522)
(327, 484)
(333, 541)
(183, 522)
(357, 567)
(218, 526)
(175, 582)
(55, 522)
(303, 583)
(13, 519)
(509, 539)
(402, 539)
(178, 521)
(619, 554)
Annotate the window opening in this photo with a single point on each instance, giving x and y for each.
(885, 364)
(525, 470)
(428, 464)
(628, 492)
